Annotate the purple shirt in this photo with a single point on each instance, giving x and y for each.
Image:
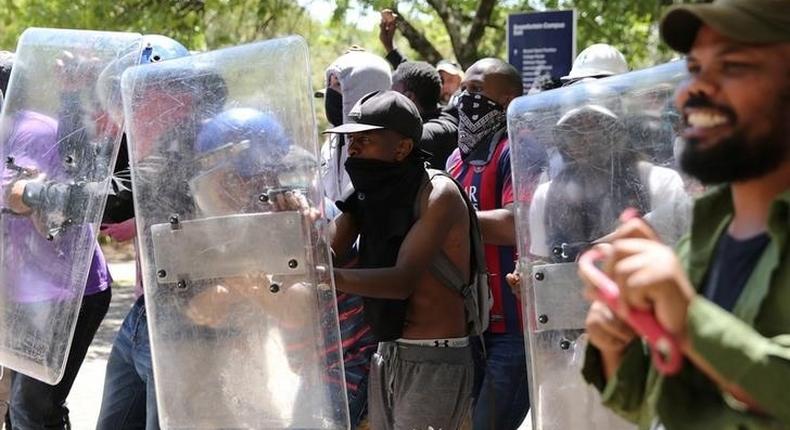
(42, 270)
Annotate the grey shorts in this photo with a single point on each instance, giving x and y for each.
(415, 387)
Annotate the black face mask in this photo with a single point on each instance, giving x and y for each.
(479, 118)
(333, 103)
(379, 178)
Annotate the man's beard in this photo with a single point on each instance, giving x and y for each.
(733, 159)
(738, 158)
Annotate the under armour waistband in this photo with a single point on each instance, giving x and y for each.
(457, 342)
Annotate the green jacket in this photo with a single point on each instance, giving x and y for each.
(750, 346)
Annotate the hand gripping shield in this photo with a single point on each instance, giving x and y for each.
(581, 155)
(59, 144)
(239, 296)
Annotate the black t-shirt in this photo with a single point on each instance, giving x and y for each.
(439, 137)
(733, 263)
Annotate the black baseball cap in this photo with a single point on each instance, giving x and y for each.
(380, 110)
(748, 21)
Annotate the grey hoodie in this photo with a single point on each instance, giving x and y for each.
(359, 73)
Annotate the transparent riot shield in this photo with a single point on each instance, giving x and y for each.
(59, 143)
(580, 156)
(239, 296)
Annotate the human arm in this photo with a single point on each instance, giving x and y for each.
(50, 161)
(497, 226)
(616, 361)
(423, 242)
(51, 205)
(744, 364)
(752, 370)
(122, 231)
(387, 35)
(343, 233)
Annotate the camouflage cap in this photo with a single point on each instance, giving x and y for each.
(748, 21)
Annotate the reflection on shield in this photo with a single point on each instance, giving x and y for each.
(59, 143)
(609, 145)
(241, 308)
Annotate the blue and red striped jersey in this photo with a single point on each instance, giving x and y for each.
(489, 186)
(359, 344)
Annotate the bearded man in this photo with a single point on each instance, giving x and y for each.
(724, 294)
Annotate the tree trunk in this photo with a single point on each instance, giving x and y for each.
(465, 46)
(417, 40)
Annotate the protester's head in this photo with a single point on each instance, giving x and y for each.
(589, 135)
(182, 89)
(488, 88)
(736, 104)
(495, 80)
(238, 154)
(384, 126)
(597, 61)
(351, 76)
(420, 82)
(596, 183)
(171, 99)
(451, 75)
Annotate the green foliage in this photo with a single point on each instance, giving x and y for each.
(179, 19)
(198, 24)
(631, 25)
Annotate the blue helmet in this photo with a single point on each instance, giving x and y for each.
(255, 141)
(158, 48)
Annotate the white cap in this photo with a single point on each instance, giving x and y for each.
(598, 60)
(450, 67)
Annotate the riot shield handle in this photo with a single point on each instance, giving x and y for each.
(665, 349)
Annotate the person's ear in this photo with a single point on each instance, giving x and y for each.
(404, 148)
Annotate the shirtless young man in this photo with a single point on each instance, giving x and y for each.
(422, 374)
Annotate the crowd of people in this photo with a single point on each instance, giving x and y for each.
(424, 224)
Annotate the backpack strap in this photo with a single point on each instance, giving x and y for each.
(449, 275)
(442, 267)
